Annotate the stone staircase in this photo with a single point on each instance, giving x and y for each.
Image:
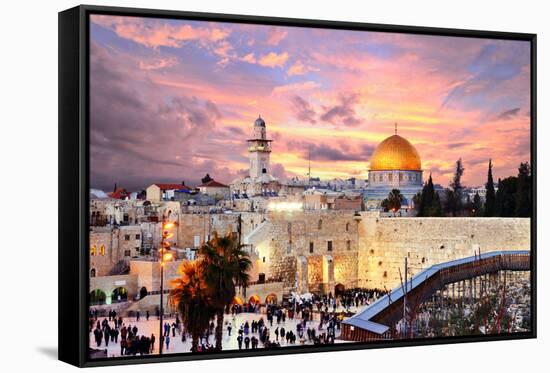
(258, 234)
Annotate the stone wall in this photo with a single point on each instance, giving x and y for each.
(203, 226)
(385, 242)
(370, 252)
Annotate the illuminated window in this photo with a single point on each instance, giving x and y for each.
(102, 250)
(92, 251)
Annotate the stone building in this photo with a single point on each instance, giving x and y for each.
(395, 164)
(110, 246)
(259, 181)
(215, 189)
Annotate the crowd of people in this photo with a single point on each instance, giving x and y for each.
(315, 320)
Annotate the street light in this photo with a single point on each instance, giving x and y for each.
(165, 256)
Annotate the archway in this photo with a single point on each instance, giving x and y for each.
(92, 272)
(97, 297)
(119, 295)
(339, 289)
(254, 299)
(143, 292)
(271, 299)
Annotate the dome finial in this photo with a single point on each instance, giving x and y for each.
(396, 128)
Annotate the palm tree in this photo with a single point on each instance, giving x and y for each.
(190, 297)
(225, 267)
(394, 201)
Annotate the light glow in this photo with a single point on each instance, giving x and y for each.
(285, 206)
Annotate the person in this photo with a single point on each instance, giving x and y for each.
(147, 315)
(167, 340)
(114, 335)
(98, 336)
(229, 327)
(137, 316)
(107, 335)
(152, 342)
(277, 333)
(240, 341)
(246, 342)
(123, 344)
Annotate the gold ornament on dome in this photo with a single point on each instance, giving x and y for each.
(395, 153)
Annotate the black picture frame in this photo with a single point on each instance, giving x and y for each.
(73, 165)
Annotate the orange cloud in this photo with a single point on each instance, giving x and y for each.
(273, 59)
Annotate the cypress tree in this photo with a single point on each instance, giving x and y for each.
(454, 194)
(490, 199)
(477, 205)
(506, 197)
(523, 195)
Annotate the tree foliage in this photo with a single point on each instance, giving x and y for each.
(506, 197)
(394, 201)
(524, 194)
(490, 208)
(454, 193)
(427, 202)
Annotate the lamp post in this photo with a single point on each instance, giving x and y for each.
(165, 256)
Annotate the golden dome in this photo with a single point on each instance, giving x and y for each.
(395, 153)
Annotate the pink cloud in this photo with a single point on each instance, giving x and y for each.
(275, 36)
(299, 68)
(156, 34)
(158, 63)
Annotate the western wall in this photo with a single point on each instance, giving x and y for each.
(318, 250)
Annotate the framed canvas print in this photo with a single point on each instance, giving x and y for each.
(237, 186)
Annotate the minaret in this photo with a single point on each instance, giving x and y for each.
(259, 148)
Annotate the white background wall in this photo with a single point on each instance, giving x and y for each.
(28, 153)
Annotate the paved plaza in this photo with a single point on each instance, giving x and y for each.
(229, 341)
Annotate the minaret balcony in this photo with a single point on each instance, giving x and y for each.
(260, 148)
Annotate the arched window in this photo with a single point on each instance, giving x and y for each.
(347, 227)
(92, 251)
(102, 250)
(92, 272)
(320, 224)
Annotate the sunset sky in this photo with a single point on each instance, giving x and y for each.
(174, 100)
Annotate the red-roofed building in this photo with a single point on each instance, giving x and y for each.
(163, 191)
(215, 189)
(119, 193)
